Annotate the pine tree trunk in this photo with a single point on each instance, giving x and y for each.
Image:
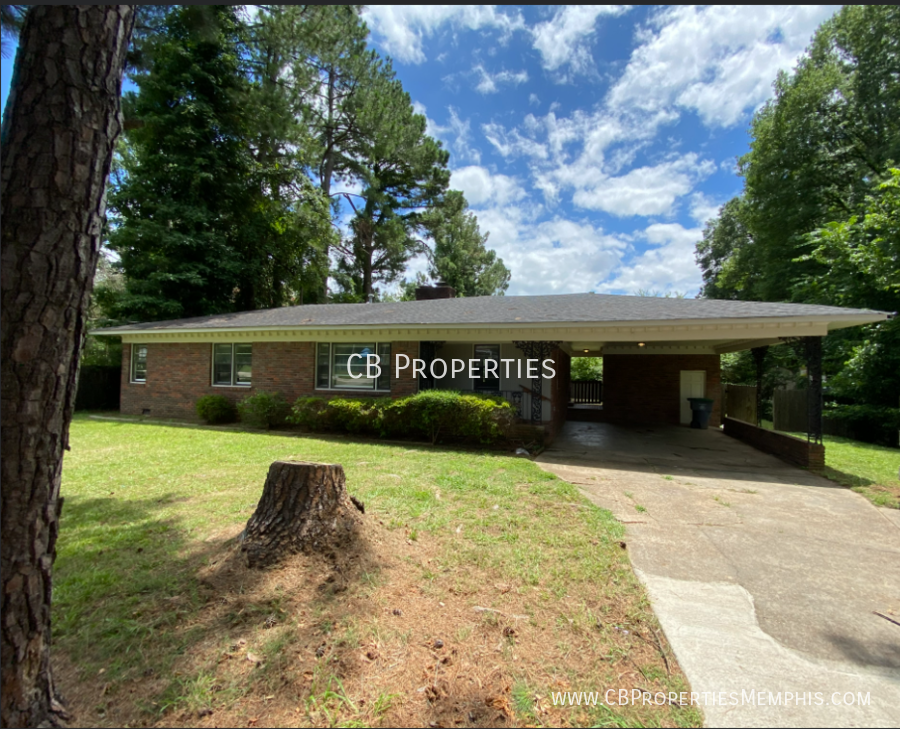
(59, 129)
(304, 508)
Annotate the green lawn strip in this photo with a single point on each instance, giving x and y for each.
(871, 470)
(142, 501)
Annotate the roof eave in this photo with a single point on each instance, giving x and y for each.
(833, 321)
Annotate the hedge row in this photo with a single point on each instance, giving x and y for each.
(262, 410)
(867, 423)
(439, 415)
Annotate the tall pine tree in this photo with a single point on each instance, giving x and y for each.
(403, 171)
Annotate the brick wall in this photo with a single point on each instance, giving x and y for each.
(405, 384)
(285, 367)
(646, 388)
(179, 374)
(788, 448)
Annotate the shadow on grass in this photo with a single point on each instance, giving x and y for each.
(140, 606)
(846, 479)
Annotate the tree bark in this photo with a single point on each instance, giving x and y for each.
(59, 130)
(304, 508)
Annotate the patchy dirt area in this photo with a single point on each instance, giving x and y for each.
(478, 588)
(363, 638)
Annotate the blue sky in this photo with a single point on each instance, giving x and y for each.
(593, 142)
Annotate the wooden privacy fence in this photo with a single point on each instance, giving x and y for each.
(586, 391)
(790, 411)
(740, 402)
(98, 387)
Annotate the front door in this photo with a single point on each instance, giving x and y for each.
(693, 384)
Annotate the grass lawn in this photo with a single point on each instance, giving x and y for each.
(482, 586)
(868, 469)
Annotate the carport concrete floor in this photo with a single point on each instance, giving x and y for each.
(765, 577)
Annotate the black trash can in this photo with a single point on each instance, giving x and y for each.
(701, 408)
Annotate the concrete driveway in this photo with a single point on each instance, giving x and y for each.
(764, 577)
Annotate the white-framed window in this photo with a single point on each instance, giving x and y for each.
(336, 371)
(138, 362)
(232, 365)
(489, 382)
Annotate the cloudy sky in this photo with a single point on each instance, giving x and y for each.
(594, 141)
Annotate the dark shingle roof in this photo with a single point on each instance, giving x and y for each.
(565, 308)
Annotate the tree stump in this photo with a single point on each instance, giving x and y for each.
(304, 508)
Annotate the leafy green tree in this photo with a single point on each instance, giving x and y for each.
(722, 254)
(212, 210)
(818, 148)
(460, 256)
(587, 368)
(860, 256)
(817, 220)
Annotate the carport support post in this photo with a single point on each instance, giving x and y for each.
(813, 350)
(539, 351)
(759, 357)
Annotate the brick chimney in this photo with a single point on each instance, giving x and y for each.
(441, 290)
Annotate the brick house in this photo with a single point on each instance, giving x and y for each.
(656, 352)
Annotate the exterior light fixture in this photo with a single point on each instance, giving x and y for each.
(640, 344)
(586, 351)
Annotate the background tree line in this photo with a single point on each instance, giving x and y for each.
(818, 220)
(266, 151)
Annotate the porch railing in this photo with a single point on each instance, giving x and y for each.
(587, 391)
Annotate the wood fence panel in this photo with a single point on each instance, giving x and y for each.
(740, 402)
(790, 411)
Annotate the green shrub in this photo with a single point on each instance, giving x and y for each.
(216, 409)
(433, 414)
(867, 423)
(264, 410)
(311, 412)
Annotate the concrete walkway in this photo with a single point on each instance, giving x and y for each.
(764, 577)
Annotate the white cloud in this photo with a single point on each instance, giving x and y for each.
(718, 61)
(565, 39)
(586, 153)
(667, 266)
(533, 99)
(644, 190)
(703, 208)
(483, 189)
(402, 29)
(513, 144)
(488, 83)
(556, 256)
(456, 135)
